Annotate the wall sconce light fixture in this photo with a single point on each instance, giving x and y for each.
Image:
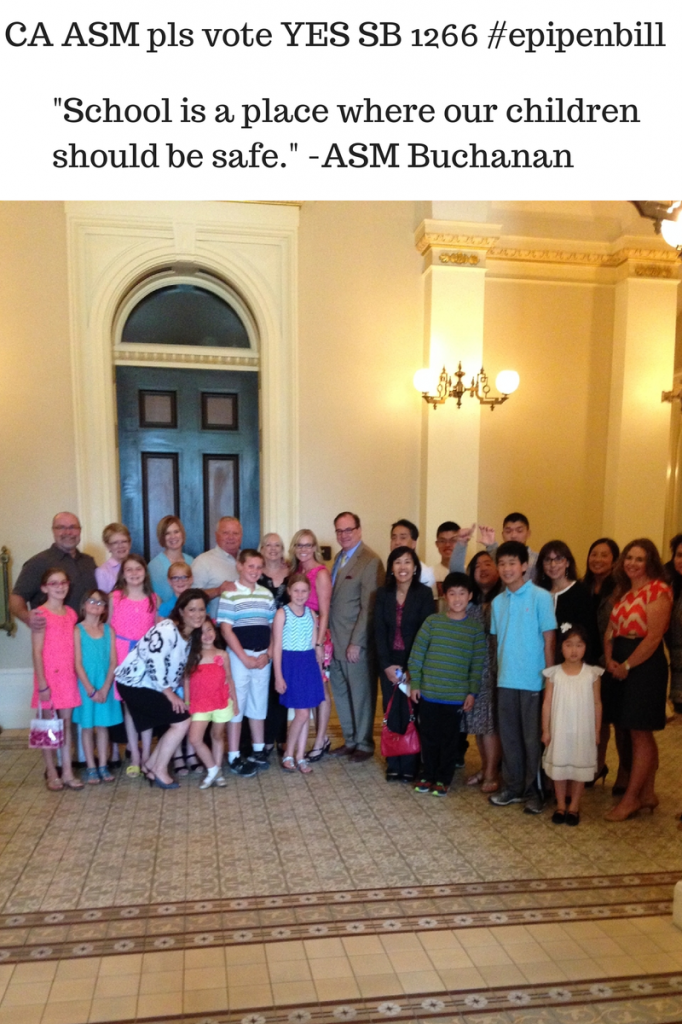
(435, 390)
(667, 217)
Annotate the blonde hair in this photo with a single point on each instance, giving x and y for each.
(293, 557)
(174, 566)
(112, 529)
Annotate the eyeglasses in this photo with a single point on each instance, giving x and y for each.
(346, 532)
(554, 559)
(177, 579)
(98, 604)
(307, 545)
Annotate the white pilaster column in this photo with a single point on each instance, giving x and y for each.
(454, 301)
(637, 454)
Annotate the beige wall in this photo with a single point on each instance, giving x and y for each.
(36, 406)
(360, 328)
(543, 452)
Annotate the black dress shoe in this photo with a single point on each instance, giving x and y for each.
(342, 751)
(559, 817)
(572, 818)
(361, 755)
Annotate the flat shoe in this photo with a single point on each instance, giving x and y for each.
(132, 771)
(559, 818)
(474, 780)
(91, 776)
(303, 766)
(288, 764)
(572, 818)
(54, 785)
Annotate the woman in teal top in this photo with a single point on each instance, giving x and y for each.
(171, 536)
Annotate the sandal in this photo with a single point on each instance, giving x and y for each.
(192, 764)
(179, 766)
(91, 776)
(54, 785)
(104, 774)
(288, 764)
(474, 780)
(132, 771)
(303, 766)
(72, 784)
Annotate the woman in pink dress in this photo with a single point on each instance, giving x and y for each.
(132, 612)
(54, 682)
(305, 554)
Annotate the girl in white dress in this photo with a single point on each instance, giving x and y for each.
(571, 720)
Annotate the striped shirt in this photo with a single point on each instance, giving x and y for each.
(447, 658)
(250, 613)
(298, 631)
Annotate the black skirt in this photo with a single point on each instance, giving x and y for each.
(150, 709)
(638, 701)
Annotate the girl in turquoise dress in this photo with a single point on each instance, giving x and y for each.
(95, 652)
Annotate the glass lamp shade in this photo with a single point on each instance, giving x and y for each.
(672, 232)
(507, 381)
(426, 381)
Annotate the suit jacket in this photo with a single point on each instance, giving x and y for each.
(352, 604)
(419, 604)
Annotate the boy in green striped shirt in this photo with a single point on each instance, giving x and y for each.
(445, 666)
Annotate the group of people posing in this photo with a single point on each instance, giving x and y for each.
(513, 649)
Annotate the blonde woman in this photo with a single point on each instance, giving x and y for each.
(171, 536)
(306, 556)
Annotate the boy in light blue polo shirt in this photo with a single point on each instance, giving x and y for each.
(524, 624)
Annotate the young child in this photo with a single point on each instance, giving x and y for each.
(571, 720)
(445, 666)
(180, 579)
(245, 615)
(54, 680)
(132, 612)
(95, 653)
(211, 697)
(524, 624)
(298, 678)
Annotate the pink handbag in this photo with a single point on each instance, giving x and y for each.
(397, 744)
(46, 733)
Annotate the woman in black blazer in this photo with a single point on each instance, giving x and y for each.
(402, 605)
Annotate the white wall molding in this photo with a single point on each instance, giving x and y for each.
(112, 247)
(16, 685)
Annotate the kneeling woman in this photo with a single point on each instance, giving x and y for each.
(150, 675)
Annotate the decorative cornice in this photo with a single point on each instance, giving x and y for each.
(653, 270)
(186, 358)
(459, 258)
(431, 240)
(664, 258)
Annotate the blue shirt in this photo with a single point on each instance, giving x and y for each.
(519, 619)
(337, 563)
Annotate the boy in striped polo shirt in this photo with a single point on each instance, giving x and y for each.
(445, 666)
(245, 615)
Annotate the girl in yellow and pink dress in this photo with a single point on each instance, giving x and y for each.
(132, 612)
(54, 682)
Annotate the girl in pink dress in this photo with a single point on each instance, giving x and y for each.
(54, 682)
(132, 612)
(305, 554)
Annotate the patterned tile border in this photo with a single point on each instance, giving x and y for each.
(189, 925)
(662, 994)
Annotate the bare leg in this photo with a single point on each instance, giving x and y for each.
(88, 750)
(218, 743)
(165, 748)
(234, 732)
(624, 747)
(577, 790)
(298, 725)
(133, 739)
(257, 730)
(640, 789)
(147, 736)
(67, 770)
(196, 739)
(491, 755)
(303, 736)
(324, 711)
(102, 745)
(52, 775)
(560, 787)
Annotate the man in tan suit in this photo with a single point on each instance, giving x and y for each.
(356, 574)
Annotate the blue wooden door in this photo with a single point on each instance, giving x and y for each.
(188, 446)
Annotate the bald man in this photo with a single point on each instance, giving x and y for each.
(63, 554)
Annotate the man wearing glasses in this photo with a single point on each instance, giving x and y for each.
(356, 574)
(63, 554)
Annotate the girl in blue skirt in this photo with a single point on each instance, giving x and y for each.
(298, 679)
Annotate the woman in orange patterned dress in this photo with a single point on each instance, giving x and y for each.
(637, 666)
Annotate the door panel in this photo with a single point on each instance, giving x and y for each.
(188, 446)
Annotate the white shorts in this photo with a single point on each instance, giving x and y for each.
(252, 685)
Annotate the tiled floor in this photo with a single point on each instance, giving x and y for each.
(284, 900)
